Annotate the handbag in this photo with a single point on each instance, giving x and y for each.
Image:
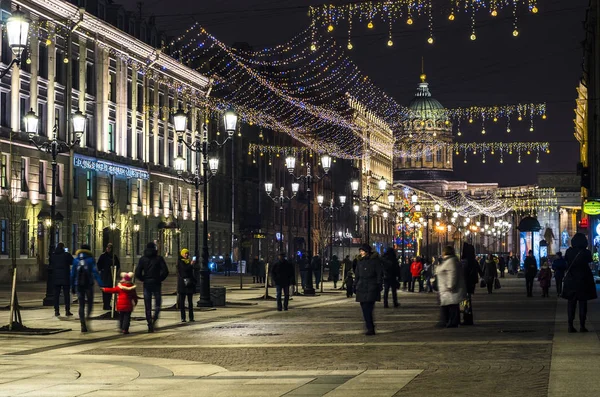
(497, 284)
(562, 290)
(482, 283)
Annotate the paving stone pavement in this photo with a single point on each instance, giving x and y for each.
(518, 347)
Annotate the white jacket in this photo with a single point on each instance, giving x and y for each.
(451, 281)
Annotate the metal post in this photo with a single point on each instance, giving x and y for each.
(233, 201)
(205, 299)
(281, 220)
(368, 222)
(403, 235)
(309, 290)
(49, 298)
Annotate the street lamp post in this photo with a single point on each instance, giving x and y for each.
(54, 147)
(309, 179)
(17, 32)
(368, 200)
(414, 199)
(331, 209)
(281, 199)
(201, 176)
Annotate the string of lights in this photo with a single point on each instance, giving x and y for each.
(390, 13)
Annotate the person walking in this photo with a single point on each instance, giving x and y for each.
(451, 287)
(316, 269)
(427, 274)
(186, 284)
(530, 272)
(303, 268)
(83, 273)
(501, 266)
(579, 286)
(254, 269)
(391, 271)
(559, 265)
(472, 272)
(545, 279)
(514, 264)
(261, 271)
(334, 270)
(126, 300)
(406, 275)
(60, 264)
(369, 278)
(106, 261)
(152, 271)
(415, 270)
(349, 284)
(282, 275)
(490, 273)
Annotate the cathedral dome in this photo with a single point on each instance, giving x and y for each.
(423, 106)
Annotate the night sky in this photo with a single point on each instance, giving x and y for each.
(542, 65)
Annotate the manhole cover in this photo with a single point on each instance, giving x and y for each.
(516, 331)
(264, 334)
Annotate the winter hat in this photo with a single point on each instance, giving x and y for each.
(184, 251)
(579, 240)
(126, 277)
(366, 248)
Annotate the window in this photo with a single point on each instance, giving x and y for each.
(4, 172)
(90, 79)
(140, 98)
(6, 52)
(140, 192)
(24, 237)
(3, 237)
(160, 196)
(89, 185)
(161, 150)
(42, 178)
(60, 68)
(58, 119)
(43, 60)
(438, 156)
(4, 110)
(137, 243)
(151, 149)
(170, 198)
(112, 92)
(130, 139)
(23, 109)
(179, 203)
(161, 104)
(171, 152)
(188, 159)
(189, 201)
(42, 119)
(75, 77)
(111, 137)
(129, 98)
(111, 187)
(140, 145)
(128, 184)
(74, 236)
(75, 184)
(88, 235)
(428, 156)
(24, 176)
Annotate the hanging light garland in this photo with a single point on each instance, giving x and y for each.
(328, 17)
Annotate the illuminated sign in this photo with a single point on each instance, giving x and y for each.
(260, 236)
(118, 170)
(591, 207)
(584, 223)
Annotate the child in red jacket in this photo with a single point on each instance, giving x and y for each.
(126, 300)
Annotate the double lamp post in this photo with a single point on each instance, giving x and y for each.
(370, 201)
(207, 165)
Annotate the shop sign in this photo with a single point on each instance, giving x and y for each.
(118, 170)
(591, 207)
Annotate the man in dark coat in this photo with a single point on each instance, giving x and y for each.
(334, 270)
(83, 274)
(560, 267)
(316, 268)
(282, 275)
(472, 272)
(254, 269)
(501, 266)
(369, 278)
(105, 263)
(391, 271)
(579, 286)
(530, 272)
(60, 264)
(152, 271)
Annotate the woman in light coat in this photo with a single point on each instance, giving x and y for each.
(451, 287)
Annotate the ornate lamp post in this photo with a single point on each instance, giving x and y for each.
(54, 147)
(281, 199)
(404, 213)
(369, 200)
(309, 179)
(331, 209)
(17, 31)
(206, 167)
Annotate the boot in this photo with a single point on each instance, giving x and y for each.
(582, 327)
(83, 327)
(572, 329)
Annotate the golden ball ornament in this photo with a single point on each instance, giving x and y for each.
(370, 25)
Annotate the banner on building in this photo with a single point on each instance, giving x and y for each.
(118, 170)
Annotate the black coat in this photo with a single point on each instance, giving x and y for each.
(282, 273)
(391, 270)
(316, 263)
(530, 267)
(471, 268)
(151, 269)
(185, 270)
(105, 261)
(60, 264)
(369, 277)
(560, 267)
(579, 281)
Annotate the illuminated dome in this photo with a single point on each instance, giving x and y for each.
(423, 106)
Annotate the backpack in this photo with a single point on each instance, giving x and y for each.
(83, 275)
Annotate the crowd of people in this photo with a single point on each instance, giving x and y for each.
(367, 276)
